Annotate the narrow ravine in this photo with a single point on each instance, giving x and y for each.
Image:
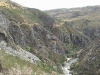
(66, 68)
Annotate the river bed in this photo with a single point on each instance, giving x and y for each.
(66, 68)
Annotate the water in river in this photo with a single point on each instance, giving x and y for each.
(66, 68)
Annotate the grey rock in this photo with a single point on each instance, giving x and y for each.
(20, 52)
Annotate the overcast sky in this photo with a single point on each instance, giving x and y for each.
(54, 4)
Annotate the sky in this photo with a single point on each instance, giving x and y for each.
(56, 4)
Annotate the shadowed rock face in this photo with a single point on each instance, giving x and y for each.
(17, 35)
(2, 37)
(93, 33)
(1, 69)
(4, 22)
(25, 35)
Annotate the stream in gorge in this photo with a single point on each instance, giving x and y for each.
(66, 68)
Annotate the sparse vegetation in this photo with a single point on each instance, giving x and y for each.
(51, 39)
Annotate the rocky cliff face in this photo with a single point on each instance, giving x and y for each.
(26, 34)
(30, 29)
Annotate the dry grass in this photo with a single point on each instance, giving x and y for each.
(18, 71)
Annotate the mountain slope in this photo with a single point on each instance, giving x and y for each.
(89, 60)
(85, 22)
(43, 42)
(30, 29)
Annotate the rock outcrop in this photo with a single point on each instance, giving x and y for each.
(19, 52)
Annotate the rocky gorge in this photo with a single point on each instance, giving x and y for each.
(40, 41)
(85, 22)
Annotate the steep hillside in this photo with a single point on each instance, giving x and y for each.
(89, 62)
(84, 20)
(33, 42)
(75, 12)
(29, 29)
(79, 18)
(83, 25)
